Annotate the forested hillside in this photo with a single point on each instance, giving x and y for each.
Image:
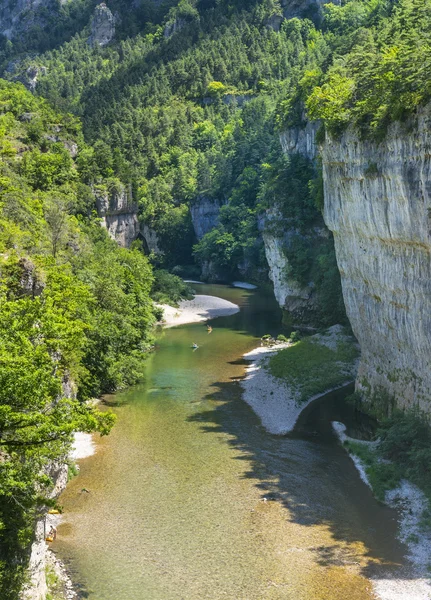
(188, 103)
(192, 111)
(76, 314)
(184, 105)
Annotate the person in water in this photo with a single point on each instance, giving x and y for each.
(52, 533)
(209, 328)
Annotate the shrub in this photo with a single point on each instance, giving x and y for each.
(169, 289)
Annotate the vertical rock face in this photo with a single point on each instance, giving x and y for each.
(205, 215)
(290, 295)
(151, 239)
(118, 213)
(301, 140)
(102, 26)
(36, 588)
(378, 205)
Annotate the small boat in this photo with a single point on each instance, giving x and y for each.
(195, 346)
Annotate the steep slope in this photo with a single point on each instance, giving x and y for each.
(376, 185)
(75, 313)
(378, 205)
(187, 117)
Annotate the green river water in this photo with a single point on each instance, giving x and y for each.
(176, 510)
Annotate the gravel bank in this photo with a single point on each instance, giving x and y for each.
(201, 308)
(407, 583)
(276, 403)
(83, 446)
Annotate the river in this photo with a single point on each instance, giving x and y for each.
(190, 498)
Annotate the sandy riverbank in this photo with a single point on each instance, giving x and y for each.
(83, 446)
(200, 309)
(276, 403)
(410, 502)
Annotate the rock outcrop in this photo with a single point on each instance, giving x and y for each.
(301, 140)
(205, 215)
(311, 9)
(118, 213)
(102, 26)
(37, 589)
(278, 233)
(151, 239)
(290, 295)
(378, 206)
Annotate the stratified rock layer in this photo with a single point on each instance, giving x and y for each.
(378, 206)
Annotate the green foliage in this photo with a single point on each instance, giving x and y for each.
(383, 476)
(170, 289)
(312, 368)
(405, 439)
(403, 451)
(287, 181)
(75, 314)
(215, 88)
(383, 74)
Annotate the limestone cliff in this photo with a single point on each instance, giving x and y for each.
(118, 212)
(205, 215)
(301, 140)
(36, 588)
(277, 235)
(102, 26)
(150, 238)
(378, 206)
(290, 295)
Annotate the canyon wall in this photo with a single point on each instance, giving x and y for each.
(118, 213)
(290, 295)
(205, 215)
(378, 206)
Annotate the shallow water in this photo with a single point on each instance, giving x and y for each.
(177, 508)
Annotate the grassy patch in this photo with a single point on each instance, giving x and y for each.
(403, 452)
(54, 584)
(313, 368)
(383, 476)
(72, 471)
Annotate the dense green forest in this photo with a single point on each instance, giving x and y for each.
(186, 102)
(197, 115)
(76, 314)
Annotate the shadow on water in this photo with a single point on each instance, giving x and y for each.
(173, 513)
(329, 493)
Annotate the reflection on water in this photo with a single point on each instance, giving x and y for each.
(191, 499)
